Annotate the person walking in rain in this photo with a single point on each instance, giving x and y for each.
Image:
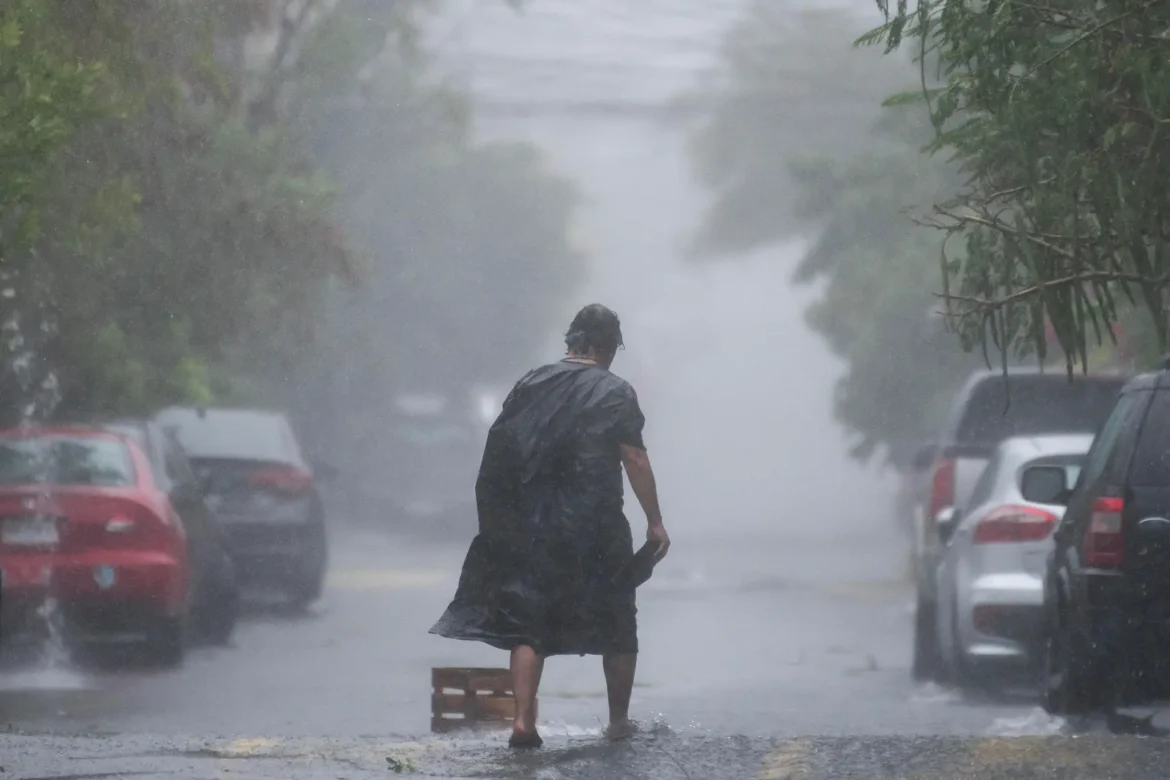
(542, 576)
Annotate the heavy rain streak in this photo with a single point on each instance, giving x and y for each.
(591, 390)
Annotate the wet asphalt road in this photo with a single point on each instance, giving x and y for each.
(760, 657)
(665, 755)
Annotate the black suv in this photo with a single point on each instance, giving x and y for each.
(1107, 585)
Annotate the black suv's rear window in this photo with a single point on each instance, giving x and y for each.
(1151, 460)
(1039, 404)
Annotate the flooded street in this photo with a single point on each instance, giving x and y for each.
(748, 648)
(739, 637)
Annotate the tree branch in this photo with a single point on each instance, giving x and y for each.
(1016, 190)
(986, 305)
(263, 107)
(1043, 240)
(1089, 33)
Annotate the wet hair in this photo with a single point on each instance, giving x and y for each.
(594, 328)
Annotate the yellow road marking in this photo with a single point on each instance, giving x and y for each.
(1053, 753)
(1004, 756)
(386, 579)
(974, 759)
(249, 748)
(789, 762)
(355, 751)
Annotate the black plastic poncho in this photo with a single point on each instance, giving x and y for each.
(552, 534)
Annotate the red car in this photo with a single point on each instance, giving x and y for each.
(83, 522)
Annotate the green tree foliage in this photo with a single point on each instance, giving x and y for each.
(879, 308)
(788, 87)
(795, 144)
(463, 246)
(467, 251)
(170, 227)
(1057, 114)
(44, 96)
(217, 179)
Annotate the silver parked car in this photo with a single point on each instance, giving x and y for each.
(990, 575)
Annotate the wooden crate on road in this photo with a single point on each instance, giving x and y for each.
(471, 698)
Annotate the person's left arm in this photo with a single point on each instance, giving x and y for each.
(636, 461)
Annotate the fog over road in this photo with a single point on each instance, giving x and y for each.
(738, 392)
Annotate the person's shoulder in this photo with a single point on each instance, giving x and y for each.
(521, 383)
(621, 382)
(540, 371)
(537, 376)
(618, 385)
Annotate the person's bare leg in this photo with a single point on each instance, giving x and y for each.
(527, 668)
(619, 684)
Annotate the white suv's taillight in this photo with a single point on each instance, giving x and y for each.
(1104, 543)
(1009, 524)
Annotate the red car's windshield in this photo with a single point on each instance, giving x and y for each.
(65, 460)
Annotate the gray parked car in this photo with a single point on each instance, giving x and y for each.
(990, 578)
(263, 491)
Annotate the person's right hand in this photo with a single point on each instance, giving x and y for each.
(657, 534)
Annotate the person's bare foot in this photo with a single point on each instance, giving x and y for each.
(621, 729)
(525, 738)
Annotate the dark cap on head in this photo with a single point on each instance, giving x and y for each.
(594, 328)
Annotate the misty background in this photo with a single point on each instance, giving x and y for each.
(377, 215)
(737, 390)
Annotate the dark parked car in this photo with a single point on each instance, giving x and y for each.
(435, 444)
(987, 411)
(215, 592)
(264, 492)
(1107, 583)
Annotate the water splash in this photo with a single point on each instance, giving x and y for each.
(933, 693)
(567, 730)
(26, 329)
(1035, 723)
(55, 650)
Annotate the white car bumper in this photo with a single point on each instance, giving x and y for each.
(1009, 590)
